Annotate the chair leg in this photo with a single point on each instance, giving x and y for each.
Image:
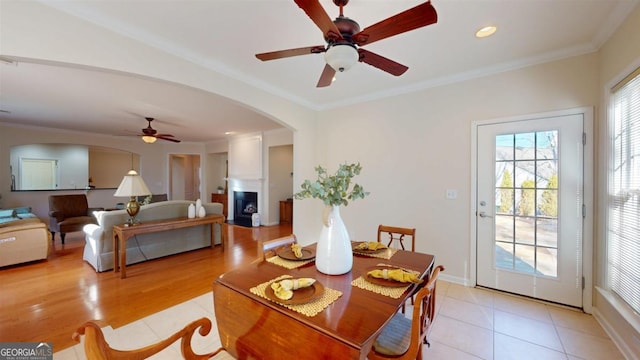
(62, 237)
(53, 236)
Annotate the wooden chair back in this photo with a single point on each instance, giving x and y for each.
(394, 233)
(97, 348)
(423, 315)
(269, 248)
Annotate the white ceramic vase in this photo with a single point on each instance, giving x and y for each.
(333, 252)
(202, 212)
(198, 207)
(191, 211)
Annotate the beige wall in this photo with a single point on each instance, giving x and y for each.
(416, 146)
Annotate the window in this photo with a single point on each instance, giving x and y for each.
(623, 228)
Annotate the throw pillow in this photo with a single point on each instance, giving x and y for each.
(10, 213)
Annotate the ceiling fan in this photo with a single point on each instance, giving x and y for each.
(344, 37)
(150, 135)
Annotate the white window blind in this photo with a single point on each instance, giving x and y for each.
(623, 229)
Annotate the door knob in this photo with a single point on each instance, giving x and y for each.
(482, 214)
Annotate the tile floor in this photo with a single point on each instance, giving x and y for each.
(470, 324)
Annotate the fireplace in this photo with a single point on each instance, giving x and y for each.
(245, 204)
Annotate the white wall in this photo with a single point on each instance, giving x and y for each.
(72, 160)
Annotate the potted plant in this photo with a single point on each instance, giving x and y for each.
(333, 252)
(220, 189)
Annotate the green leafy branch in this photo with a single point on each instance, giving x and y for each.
(333, 189)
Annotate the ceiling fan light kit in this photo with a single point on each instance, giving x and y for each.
(149, 139)
(341, 57)
(344, 38)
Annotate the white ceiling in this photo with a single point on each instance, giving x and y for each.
(224, 35)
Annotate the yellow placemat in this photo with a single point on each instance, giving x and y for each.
(393, 292)
(386, 254)
(289, 264)
(309, 309)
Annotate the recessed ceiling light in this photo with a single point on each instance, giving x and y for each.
(229, 132)
(486, 31)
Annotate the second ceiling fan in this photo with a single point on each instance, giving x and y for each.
(344, 37)
(150, 135)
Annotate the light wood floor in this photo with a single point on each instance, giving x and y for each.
(46, 301)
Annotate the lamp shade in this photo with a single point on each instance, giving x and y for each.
(341, 57)
(132, 185)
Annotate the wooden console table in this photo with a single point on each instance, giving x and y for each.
(122, 233)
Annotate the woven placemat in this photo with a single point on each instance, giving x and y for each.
(393, 292)
(289, 264)
(309, 309)
(387, 254)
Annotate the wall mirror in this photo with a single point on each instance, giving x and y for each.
(68, 167)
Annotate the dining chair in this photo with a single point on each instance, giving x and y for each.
(402, 338)
(270, 247)
(97, 348)
(394, 233)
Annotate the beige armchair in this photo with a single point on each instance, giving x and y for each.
(69, 213)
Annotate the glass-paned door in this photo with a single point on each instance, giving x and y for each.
(529, 227)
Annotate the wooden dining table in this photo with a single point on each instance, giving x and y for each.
(255, 327)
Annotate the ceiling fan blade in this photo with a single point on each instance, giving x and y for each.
(382, 62)
(167, 138)
(290, 52)
(416, 17)
(319, 16)
(326, 78)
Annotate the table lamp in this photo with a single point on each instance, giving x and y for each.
(132, 185)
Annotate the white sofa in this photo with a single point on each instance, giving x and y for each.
(98, 250)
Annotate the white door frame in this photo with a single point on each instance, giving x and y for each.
(588, 227)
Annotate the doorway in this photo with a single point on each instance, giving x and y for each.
(531, 207)
(184, 177)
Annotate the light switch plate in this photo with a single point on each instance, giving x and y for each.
(452, 194)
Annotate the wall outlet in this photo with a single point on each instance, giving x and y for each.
(452, 194)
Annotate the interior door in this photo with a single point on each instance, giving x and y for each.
(530, 208)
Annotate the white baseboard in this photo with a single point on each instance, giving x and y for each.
(454, 279)
(613, 327)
